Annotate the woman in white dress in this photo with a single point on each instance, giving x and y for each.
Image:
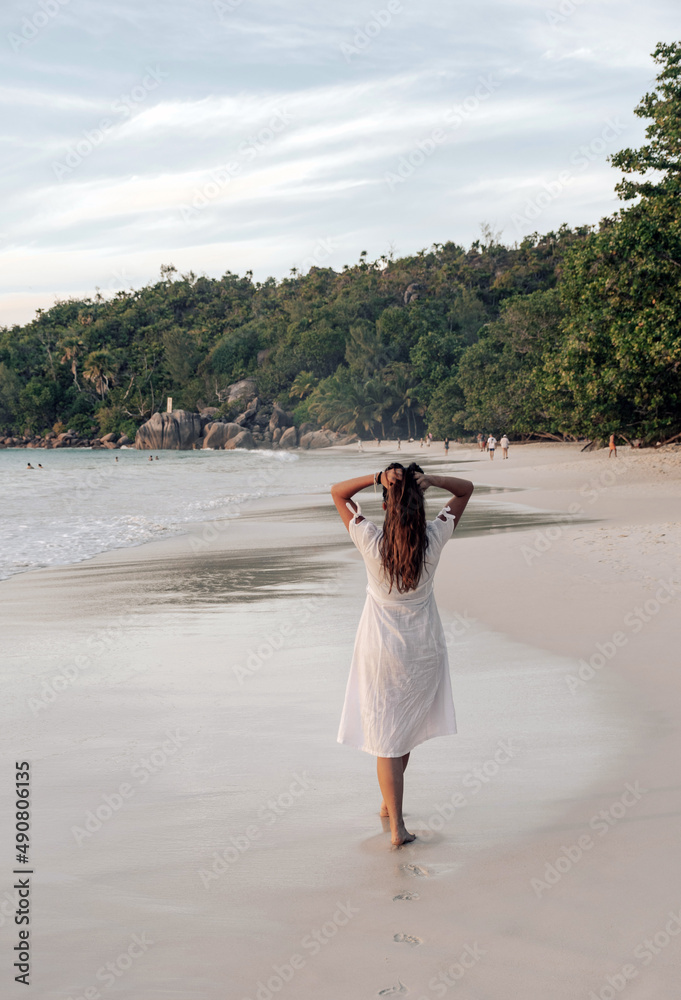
(399, 692)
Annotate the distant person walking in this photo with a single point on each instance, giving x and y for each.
(421, 443)
(446, 446)
(481, 442)
(491, 445)
(504, 446)
(612, 447)
(399, 444)
(359, 445)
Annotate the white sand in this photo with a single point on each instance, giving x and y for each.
(228, 749)
(568, 590)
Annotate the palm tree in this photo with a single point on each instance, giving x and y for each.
(413, 405)
(72, 348)
(400, 377)
(303, 384)
(99, 368)
(382, 397)
(403, 410)
(348, 404)
(365, 351)
(343, 404)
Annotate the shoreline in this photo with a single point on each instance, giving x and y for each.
(651, 466)
(100, 474)
(262, 506)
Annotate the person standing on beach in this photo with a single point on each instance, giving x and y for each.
(399, 444)
(446, 446)
(481, 442)
(359, 445)
(491, 445)
(612, 447)
(504, 446)
(399, 691)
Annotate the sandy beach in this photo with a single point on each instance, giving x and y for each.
(197, 832)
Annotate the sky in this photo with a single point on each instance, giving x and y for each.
(243, 135)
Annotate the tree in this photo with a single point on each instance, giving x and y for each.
(182, 354)
(382, 397)
(406, 394)
(365, 352)
(620, 358)
(502, 375)
(303, 384)
(72, 348)
(345, 402)
(342, 403)
(10, 396)
(662, 152)
(100, 369)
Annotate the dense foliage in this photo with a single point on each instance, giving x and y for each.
(572, 333)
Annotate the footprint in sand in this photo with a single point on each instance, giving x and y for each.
(393, 991)
(416, 870)
(407, 939)
(406, 895)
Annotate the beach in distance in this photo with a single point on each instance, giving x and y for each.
(177, 638)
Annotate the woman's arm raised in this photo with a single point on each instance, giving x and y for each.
(343, 493)
(461, 490)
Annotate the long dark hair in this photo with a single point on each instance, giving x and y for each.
(404, 541)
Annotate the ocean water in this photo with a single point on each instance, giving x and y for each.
(85, 502)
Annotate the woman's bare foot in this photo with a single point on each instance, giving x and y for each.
(400, 835)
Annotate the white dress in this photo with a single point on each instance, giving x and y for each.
(399, 693)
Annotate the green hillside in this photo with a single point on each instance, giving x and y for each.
(568, 334)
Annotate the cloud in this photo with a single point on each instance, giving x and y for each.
(188, 89)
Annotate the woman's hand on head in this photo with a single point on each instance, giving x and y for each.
(391, 477)
(422, 481)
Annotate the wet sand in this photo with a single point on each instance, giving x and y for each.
(198, 833)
